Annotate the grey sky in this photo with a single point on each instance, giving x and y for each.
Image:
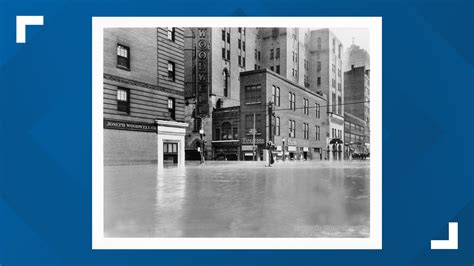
(360, 35)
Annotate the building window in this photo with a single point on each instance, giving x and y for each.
(305, 131)
(243, 61)
(318, 81)
(249, 123)
(259, 56)
(239, 44)
(333, 83)
(225, 80)
(228, 37)
(317, 107)
(318, 132)
(274, 93)
(305, 106)
(123, 100)
(235, 133)
(243, 46)
(223, 53)
(255, 54)
(339, 87)
(197, 124)
(171, 34)
(277, 53)
(226, 133)
(292, 129)
(277, 126)
(319, 43)
(172, 108)
(271, 54)
(217, 135)
(277, 99)
(223, 35)
(253, 94)
(228, 54)
(271, 68)
(123, 57)
(171, 71)
(240, 60)
(278, 69)
(318, 66)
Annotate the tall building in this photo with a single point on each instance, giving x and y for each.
(214, 58)
(285, 51)
(144, 95)
(357, 82)
(325, 66)
(298, 126)
(357, 57)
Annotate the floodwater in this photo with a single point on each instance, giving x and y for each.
(238, 199)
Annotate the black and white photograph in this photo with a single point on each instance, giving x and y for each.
(221, 132)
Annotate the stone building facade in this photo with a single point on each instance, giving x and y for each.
(143, 96)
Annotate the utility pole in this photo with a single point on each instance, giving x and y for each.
(254, 131)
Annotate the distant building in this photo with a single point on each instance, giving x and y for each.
(326, 62)
(298, 127)
(357, 91)
(354, 135)
(143, 96)
(225, 127)
(357, 57)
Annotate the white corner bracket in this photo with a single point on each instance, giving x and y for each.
(22, 22)
(451, 243)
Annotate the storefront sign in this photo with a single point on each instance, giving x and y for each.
(247, 147)
(305, 148)
(291, 148)
(292, 142)
(127, 125)
(250, 141)
(203, 40)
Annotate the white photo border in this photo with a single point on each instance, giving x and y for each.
(99, 241)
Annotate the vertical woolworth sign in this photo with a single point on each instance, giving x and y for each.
(203, 40)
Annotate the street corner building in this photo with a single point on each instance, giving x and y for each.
(274, 108)
(144, 96)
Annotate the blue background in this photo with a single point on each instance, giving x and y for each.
(45, 127)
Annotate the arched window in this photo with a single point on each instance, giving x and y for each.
(226, 131)
(225, 81)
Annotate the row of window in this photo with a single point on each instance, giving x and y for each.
(336, 107)
(277, 69)
(253, 95)
(226, 132)
(123, 60)
(336, 133)
(123, 102)
(351, 127)
(349, 137)
(292, 129)
(274, 55)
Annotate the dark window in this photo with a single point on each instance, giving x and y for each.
(228, 54)
(197, 124)
(271, 54)
(318, 66)
(171, 34)
(123, 56)
(255, 54)
(240, 60)
(225, 80)
(319, 81)
(235, 133)
(271, 68)
(228, 37)
(243, 46)
(333, 103)
(123, 100)
(253, 94)
(243, 62)
(339, 105)
(223, 53)
(258, 55)
(217, 136)
(277, 126)
(171, 71)
(239, 44)
(223, 35)
(172, 108)
(277, 53)
(240, 29)
(278, 69)
(226, 131)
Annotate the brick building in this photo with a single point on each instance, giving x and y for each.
(357, 82)
(225, 141)
(143, 96)
(299, 123)
(354, 135)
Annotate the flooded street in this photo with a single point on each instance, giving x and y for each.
(238, 199)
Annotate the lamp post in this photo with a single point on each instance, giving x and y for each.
(201, 133)
(283, 148)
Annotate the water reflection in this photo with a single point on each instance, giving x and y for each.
(246, 199)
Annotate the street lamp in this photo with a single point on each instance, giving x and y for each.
(201, 133)
(283, 148)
